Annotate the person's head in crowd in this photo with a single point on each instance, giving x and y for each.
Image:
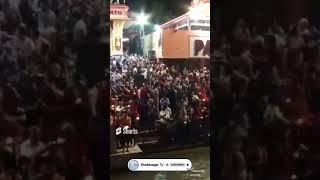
(35, 34)
(293, 31)
(148, 96)
(55, 70)
(121, 104)
(241, 22)
(2, 19)
(303, 26)
(78, 14)
(270, 43)
(238, 110)
(144, 85)
(34, 136)
(131, 103)
(22, 31)
(151, 102)
(68, 131)
(163, 107)
(45, 6)
(265, 99)
(273, 100)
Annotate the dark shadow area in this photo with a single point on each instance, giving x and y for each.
(266, 90)
(53, 98)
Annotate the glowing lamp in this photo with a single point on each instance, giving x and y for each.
(142, 19)
(157, 27)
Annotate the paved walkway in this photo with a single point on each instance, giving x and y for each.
(132, 150)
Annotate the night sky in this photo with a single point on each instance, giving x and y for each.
(160, 10)
(284, 11)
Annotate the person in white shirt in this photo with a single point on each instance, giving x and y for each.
(144, 73)
(32, 146)
(80, 29)
(34, 4)
(24, 44)
(195, 97)
(14, 4)
(165, 114)
(47, 21)
(39, 42)
(183, 113)
(120, 107)
(273, 114)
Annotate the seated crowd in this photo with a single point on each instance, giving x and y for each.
(150, 95)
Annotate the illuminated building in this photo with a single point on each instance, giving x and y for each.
(118, 18)
(185, 37)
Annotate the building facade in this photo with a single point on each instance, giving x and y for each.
(185, 37)
(118, 18)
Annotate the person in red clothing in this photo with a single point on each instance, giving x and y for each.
(125, 119)
(75, 150)
(295, 106)
(77, 99)
(125, 123)
(86, 168)
(144, 91)
(134, 115)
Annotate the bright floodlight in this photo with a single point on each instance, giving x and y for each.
(142, 19)
(157, 27)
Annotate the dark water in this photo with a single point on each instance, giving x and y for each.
(200, 158)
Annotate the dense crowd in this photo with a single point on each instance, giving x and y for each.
(151, 96)
(266, 101)
(44, 105)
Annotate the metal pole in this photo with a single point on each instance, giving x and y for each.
(141, 45)
(143, 39)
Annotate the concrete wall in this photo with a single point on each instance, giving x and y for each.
(148, 43)
(176, 44)
(151, 42)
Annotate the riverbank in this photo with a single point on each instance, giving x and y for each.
(200, 157)
(118, 162)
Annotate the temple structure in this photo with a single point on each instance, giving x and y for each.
(118, 18)
(185, 37)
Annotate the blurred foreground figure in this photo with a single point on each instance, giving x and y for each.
(267, 77)
(45, 104)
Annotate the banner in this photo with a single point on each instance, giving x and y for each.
(118, 11)
(199, 47)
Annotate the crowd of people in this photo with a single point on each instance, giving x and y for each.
(266, 101)
(151, 96)
(45, 105)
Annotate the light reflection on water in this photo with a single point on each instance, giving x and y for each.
(200, 158)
